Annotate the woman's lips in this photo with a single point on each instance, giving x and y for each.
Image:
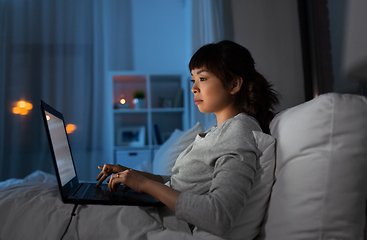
(197, 101)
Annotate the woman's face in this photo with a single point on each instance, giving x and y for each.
(209, 93)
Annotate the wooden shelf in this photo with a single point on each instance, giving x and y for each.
(160, 90)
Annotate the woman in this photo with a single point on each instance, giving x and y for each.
(212, 178)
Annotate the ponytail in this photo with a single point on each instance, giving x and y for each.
(257, 98)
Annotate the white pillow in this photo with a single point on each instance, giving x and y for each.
(145, 166)
(320, 190)
(248, 226)
(167, 154)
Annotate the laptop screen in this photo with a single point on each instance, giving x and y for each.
(61, 148)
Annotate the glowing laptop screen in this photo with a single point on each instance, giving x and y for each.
(61, 148)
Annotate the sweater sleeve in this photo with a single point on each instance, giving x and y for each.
(217, 211)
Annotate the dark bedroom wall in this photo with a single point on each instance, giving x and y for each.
(160, 35)
(338, 27)
(270, 30)
(324, 30)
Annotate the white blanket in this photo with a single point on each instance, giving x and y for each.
(31, 208)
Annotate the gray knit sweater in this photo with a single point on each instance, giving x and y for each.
(215, 174)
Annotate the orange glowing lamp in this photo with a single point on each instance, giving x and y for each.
(70, 128)
(22, 107)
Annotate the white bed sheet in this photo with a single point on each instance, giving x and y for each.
(31, 208)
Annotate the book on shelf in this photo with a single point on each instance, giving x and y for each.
(157, 137)
(178, 101)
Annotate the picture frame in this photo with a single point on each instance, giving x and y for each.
(131, 136)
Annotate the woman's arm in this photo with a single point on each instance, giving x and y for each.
(218, 210)
(143, 183)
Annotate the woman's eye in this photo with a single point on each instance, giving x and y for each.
(192, 81)
(202, 79)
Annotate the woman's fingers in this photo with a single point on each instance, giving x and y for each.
(103, 174)
(113, 182)
(100, 174)
(119, 178)
(129, 178)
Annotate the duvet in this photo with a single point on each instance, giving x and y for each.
(31, 208)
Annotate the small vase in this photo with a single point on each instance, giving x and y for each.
(139, 103)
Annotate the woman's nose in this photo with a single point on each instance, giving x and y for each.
(194, 89)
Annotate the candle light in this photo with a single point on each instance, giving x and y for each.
(122, 102)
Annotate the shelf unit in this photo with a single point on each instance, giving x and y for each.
(139, 132)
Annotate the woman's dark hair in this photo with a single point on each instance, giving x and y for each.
(228, 61)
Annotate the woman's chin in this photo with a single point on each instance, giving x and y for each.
(202, 110)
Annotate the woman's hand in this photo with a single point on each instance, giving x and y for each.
(141, 182)
(130, 179)
(107, 170)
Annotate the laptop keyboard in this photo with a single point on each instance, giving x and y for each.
(101, 192)
(92, 192)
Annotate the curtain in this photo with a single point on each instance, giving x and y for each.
(354, 49)
(61, 52)
(54, 51)
(207, 26)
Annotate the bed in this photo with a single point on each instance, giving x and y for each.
(31, 208)
(316, 188)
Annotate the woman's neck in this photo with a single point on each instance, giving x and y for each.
(224, 116)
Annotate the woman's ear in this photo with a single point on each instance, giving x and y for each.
(236, 85)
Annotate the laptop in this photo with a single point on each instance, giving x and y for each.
(71, 190)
